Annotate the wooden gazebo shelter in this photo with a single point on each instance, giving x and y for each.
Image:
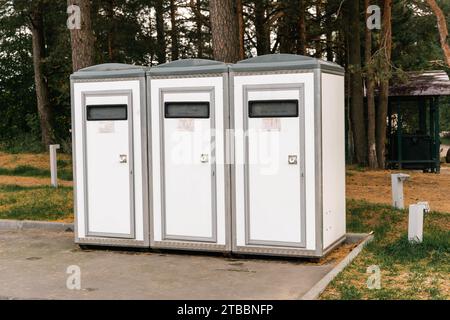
(413, 120)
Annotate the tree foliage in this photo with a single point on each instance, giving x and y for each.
(154, 31)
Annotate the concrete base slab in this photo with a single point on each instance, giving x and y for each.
(315, 292)
(33, 265)
(26, 224)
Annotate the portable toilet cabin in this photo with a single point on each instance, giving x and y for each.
(289, 156)
(189, 116)
(109, 136)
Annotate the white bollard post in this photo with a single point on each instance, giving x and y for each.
(397, 189)
(415, 222)
(53, 165)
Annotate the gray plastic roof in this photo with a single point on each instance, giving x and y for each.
(111, 70)
(203, 66)
(428, 83)
(189, 66)
(284, 62)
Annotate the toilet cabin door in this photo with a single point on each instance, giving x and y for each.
(189, 208)
(108, 163)
(274, 200)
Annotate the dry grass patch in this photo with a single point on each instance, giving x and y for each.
(34, 165)
(41, 160)
(375, 186)
(31, 181)
(338, 254)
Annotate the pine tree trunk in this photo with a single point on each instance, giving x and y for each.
(199, 23)
(370, 87)
(385, 70)
(111, 30)
(241, 26)
(329, 31)
(261, 28)
(301, 29)
(160, 32)
(225, 30)
(42, 95)
(318, 44)
(356, 84)
(288, 32)
(340, 47)
(174, 31)
(82, 40)
(443, 29)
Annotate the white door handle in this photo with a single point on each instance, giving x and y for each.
(123, 158)
(204, 158)
(292, 160)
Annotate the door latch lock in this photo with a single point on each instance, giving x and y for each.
(123, 158)
(292, 160)
(204, 158)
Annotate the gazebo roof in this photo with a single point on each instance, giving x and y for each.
(427, 83)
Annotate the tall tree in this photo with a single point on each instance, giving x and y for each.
(370, 95)
(385, 74)
(262, 28)
(301, 29)
(329, 28)
(318, 44)
(356, 82)
(241, 27)
(225, 30)
(443, 29)
(82, 39)
(112, 29)
(288, 27)
(42, 92)
(17, 90)
(200, 22)
(174, 32)
(160, 32)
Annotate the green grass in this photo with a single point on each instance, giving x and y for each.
(434, 248)
(409, 270)
(35, 203)
(349, 292)
(10, 188)
(64, 172)
(23, 143)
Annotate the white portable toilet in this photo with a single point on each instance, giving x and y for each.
(289, 156)
(109, 133)
(189, 116)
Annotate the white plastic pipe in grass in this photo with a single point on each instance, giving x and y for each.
(415, 221)
(397, 189)
(54, 165)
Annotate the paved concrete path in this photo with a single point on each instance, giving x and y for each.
(33, 265)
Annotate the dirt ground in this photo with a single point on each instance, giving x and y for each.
(30, 181)
(375, 186)
(40, 161)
